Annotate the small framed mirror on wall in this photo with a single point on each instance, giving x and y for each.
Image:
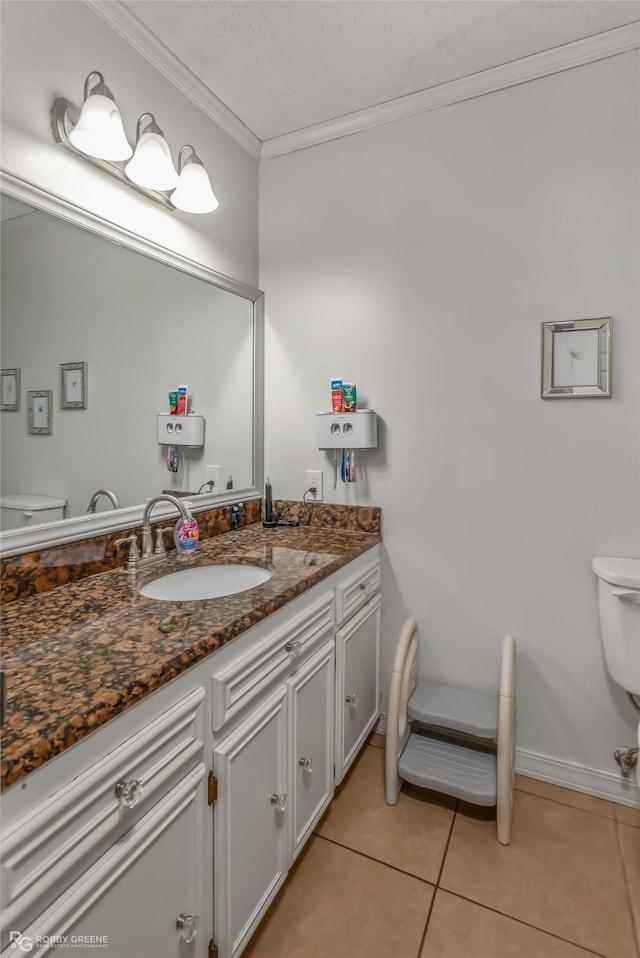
(576, 359)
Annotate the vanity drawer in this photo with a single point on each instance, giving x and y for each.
(53, 845)
(353, 594)
(238, 684)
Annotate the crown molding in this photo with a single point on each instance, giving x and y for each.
(566, 57)
(127, 25)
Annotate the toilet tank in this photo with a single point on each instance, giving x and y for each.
(18, 511)
(619, 605)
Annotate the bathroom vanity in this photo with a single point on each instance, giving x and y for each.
(171, 823)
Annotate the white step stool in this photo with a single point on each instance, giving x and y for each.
(463, 743)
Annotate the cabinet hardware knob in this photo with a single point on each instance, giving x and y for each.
(188, 925)
(352, 699)
(306, 764)
(129, 793)
(280, 801)
(294, 648)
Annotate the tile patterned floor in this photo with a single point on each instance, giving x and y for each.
(427, 878)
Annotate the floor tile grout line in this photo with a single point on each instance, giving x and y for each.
(438, 887)
(623, 862)
(521, 921)
(371, 858)
(578, 808)
(440, 870)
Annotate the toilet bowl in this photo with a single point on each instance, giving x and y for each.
(619, 606)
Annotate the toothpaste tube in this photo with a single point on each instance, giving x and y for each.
(173, 402)
(336, 395)
(182, 400)
(349, 397)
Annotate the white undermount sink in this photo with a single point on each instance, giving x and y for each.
(205, 582)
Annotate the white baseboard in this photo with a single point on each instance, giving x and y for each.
(592, 781)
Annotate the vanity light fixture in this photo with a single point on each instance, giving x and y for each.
(193, 193)
(96, 133)
(151, 165)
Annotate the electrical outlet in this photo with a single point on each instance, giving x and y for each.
(213, 473)
(313, 478)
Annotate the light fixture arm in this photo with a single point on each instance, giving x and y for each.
(194, 156)
(151, 128)
(95, 73)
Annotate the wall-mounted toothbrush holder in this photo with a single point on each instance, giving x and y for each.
(181, 430)
(351, 430)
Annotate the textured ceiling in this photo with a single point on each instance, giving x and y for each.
(283, 65)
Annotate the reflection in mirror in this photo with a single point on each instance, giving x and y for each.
(143, 328)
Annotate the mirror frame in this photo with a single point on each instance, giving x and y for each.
(43, 536)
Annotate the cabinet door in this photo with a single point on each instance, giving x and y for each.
(80, 820)
(251, 847)
(358, 683)
(311, 724)
(128, 902)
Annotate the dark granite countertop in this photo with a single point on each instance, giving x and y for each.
(81, 654)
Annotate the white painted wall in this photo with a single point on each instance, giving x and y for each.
(48, 48)
(419, 260)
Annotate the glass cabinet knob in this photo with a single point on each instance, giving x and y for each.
(306, 764)
(294, 648)
(129, 793)
(280, 801)
(188, 925)
(352, 699)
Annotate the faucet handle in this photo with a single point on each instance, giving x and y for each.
(133, 554)
(159, 548)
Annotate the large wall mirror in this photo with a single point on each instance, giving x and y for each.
(99, 326)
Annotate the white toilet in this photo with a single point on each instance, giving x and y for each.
(18, 511)
(619, 602)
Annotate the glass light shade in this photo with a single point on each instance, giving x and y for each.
(193, 193)
(151, 165)
(99, 131)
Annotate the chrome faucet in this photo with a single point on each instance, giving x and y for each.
(147, 545)
(102, 492)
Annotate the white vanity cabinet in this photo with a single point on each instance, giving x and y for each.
(113, 856)
(273, 762)
(357, 662)
(168, 831)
